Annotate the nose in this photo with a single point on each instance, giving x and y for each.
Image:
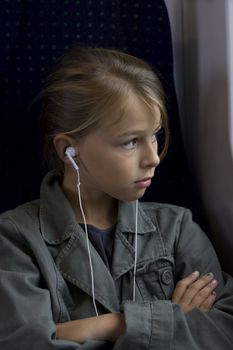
(150, 157)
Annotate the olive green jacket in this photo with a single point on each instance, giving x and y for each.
(45, 278)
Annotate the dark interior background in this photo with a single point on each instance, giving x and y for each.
(33, 35)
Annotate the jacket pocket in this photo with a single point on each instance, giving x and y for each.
(155, 279)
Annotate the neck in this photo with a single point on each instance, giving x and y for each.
(100, 210)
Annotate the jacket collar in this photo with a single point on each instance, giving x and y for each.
(124, 241)
(58, 220)
(58, 224)
(127, 219)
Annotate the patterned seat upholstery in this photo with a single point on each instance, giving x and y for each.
(33, 35)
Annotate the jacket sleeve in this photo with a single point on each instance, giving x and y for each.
(26, 317)
(160, 324)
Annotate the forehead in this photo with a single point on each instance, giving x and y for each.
(131, 113)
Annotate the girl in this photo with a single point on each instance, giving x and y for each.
(87, 266)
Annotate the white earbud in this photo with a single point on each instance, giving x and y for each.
(70, 152)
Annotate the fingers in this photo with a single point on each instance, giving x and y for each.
(194, 291)
(209, 302)
(182, 286)
(202, 289)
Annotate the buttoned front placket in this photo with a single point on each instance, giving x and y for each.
(153, 261)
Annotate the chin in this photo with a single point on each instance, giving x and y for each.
(132, 197)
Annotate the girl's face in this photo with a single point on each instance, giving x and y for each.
(119, 158)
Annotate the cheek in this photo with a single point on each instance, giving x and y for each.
(110, 170)
(113, 169)
(96, 165)
(108, 165)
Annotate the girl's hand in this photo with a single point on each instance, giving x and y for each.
(195, 292)
(106, 327)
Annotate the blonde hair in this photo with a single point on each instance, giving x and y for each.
(88, 82)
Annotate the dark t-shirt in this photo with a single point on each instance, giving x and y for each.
(102, 240)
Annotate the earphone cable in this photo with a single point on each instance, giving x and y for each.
(136, 250)
(88, 245)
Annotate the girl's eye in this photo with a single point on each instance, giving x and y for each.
(130, 145)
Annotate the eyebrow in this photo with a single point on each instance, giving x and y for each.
(137, 132)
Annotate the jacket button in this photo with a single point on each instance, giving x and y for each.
(167, 277)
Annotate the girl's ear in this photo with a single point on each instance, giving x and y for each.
(61, 142)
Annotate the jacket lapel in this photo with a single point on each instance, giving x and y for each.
(61, 231)
(124, 244)
(73, 263)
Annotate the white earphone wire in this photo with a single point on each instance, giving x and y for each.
(70, 152)
(136, 251)
(87, 238)
(88, 245)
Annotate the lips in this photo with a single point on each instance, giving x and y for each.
(143, 180)
(143, 183)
